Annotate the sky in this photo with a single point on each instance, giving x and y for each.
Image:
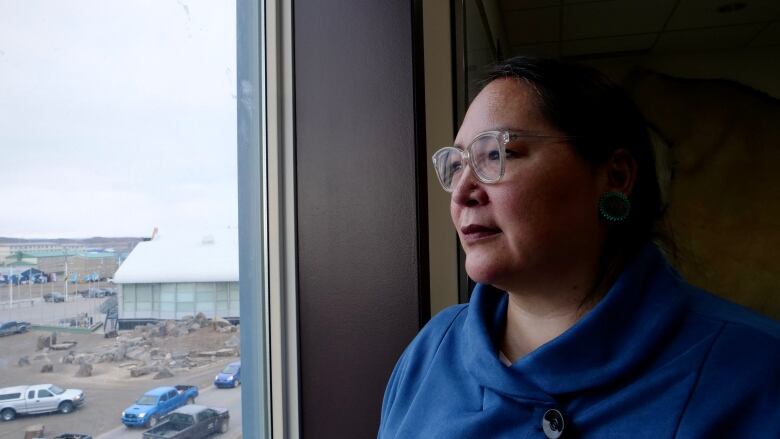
(116, 117)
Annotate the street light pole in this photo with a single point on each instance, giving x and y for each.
(66, 278)
(11, 301)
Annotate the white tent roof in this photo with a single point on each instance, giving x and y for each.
(211, 257)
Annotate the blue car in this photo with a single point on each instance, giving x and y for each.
(230, 376)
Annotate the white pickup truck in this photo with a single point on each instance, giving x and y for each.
(40, 398)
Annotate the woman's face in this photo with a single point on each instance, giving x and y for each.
(539, 225)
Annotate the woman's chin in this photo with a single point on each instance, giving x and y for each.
(482, 271)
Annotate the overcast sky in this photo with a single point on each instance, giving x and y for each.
(116, 117)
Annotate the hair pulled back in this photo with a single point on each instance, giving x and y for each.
(583, 103)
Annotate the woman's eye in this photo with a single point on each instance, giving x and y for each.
(494, 155)
(455, 167)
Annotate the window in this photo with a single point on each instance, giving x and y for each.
(118, 119)
(8, 396)
(43, 393)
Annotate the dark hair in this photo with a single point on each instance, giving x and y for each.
(581, 102)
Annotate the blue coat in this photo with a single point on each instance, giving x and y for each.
(655, 358)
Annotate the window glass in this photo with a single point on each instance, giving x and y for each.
(119, 169)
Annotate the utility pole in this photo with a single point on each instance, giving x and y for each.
(11, 302)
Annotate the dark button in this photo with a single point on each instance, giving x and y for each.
(552, 424)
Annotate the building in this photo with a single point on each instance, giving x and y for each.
(170, 277)
(10, 252)
(102, 263)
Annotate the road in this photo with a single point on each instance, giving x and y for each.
(108, 391)
(211, 396)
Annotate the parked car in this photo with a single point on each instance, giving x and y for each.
(72, 436)
(13, 327)
(97, 292)
(191, 422)
(40, 398)
(54, 297)
(156, 403)
(230, 376)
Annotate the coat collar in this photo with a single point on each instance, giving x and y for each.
(612, 340)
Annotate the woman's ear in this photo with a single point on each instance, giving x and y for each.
(621, 172)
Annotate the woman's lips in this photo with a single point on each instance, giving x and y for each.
(477, 232)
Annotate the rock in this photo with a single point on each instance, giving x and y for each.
(85, 370)
(142, 370)
(229, 352)
(84, 359)
(23, 361)
(163, 373)
(53, 337)
(42, 356)
(69, 358)
(121, 352)
(233, 342)
(206, 354)
(219, 322)
(47, 368)
(201, 318)
(146, 357)
(135, 353)
(131, 342)
(34, 431)
(194, 327)
(44, 341)
(65, 345)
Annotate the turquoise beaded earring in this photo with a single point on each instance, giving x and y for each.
(614, 207)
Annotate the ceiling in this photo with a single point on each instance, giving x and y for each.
(586, 28)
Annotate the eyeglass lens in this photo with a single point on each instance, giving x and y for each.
(485, 155)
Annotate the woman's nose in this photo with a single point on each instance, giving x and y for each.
(468, 190)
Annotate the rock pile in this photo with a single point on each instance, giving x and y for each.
(139, 350)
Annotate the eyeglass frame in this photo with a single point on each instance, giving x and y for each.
(503, 137)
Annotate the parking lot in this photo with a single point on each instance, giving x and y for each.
(28, 304)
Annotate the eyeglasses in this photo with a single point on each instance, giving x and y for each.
(487, 155)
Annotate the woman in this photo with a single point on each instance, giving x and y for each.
(578, 326)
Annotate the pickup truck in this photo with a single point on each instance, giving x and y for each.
(13, 327)
(191, 422)
(40, 398)
(156, 403)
